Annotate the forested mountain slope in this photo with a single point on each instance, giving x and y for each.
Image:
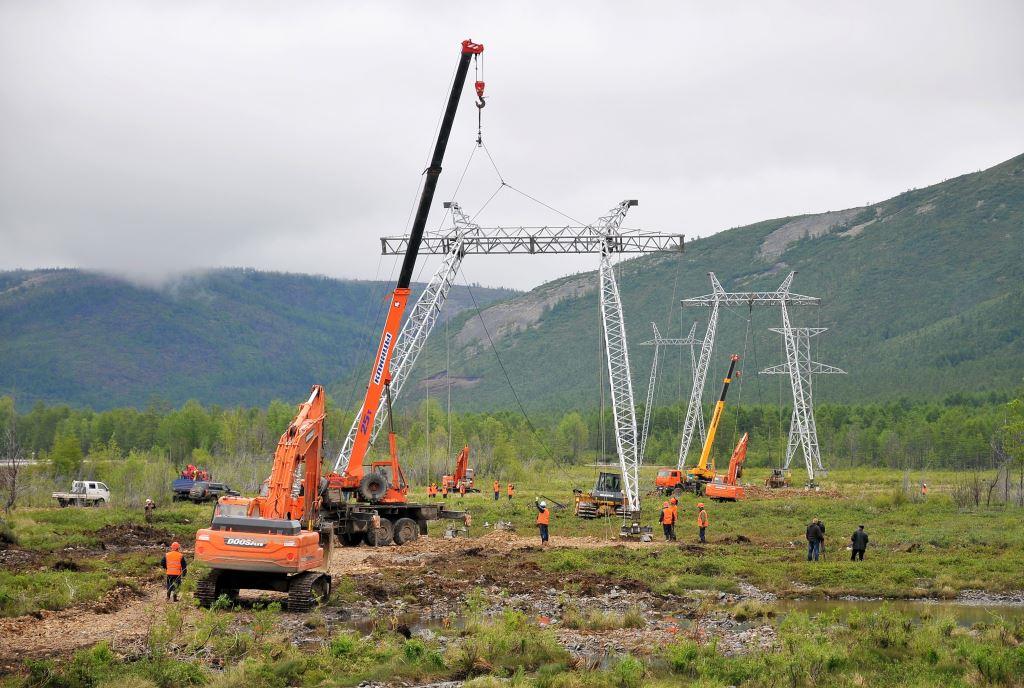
(924, 295)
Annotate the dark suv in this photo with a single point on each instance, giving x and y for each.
(205, 491)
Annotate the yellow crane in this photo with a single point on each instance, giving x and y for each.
(703, 472)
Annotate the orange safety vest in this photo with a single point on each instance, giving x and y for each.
(511, 490)
(702, 518)
(497, 486)
(924, 489)
(174, 562)
(444, 489)
(667, 517)
(462, 488)
(544, 517)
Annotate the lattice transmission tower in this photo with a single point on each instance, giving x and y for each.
(657, 342)
(606, 237)
(715, 300)
(803, 431)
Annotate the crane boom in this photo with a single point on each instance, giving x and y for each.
(380, 375)
(701, 471)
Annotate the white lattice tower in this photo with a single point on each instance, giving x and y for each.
(619, 377)
(418, 325)
(715, 300)
(800, 369)
(657, 342)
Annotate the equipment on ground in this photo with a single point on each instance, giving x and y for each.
(604, 500)
(462, 476)
(727, 488)
(371, 502)
(704, 471)
(779, 477)
(274, 541)
(83, 493)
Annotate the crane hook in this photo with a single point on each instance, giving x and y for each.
(480, 103)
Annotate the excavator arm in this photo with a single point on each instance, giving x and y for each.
(292, 494)
(739, 455)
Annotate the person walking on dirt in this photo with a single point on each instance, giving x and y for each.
(814, 537)
(511, 491)
(859, 542)
(543, 521)
(175, 566)
(497, 490)
(148, 508)
(702, 521)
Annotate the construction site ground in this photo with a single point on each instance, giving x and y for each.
(97, 580)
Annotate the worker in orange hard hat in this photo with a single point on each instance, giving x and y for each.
(497, 490)
(668, 520)
(702, 520)
(175, 566)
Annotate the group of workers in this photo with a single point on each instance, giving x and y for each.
(433, 490)
(816, 541)
(193, 472)
(670, 515)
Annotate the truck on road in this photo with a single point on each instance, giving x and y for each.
(84, 493)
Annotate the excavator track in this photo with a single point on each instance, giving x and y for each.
(206, 589)
(304, 591)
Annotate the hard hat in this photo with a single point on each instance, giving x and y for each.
(175, 546)
(543, 504)
(700, 505)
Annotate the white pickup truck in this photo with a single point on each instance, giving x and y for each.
(84, 493)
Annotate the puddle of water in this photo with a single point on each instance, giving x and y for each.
(965, 615)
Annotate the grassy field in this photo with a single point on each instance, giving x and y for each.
(919, 548)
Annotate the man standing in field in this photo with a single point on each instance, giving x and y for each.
(175, 566)
(148, 509)
(702, 521)
(497, 490)
(667, 520)
(859, 542)
(814, 537)
(511, 491)
(543, 521)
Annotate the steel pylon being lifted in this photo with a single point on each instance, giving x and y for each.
(803, 431)
(607, 237)
(414, 333)
(715, 300)
(657, 342)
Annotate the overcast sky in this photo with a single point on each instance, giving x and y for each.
(150, 138)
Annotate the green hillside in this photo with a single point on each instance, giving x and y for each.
(924, 295)
(224, 336)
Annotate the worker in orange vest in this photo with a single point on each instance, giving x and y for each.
(511, 491)
(668, 521)
(924, 489)
(175, 566)
(444, 490)
(702, 520)
(497, 490)
(543, 521)
(432, 490)
(462, 490)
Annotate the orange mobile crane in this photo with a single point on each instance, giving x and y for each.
(371, 502)
(728, 488)
(274, 541)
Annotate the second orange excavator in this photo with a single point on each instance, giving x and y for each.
(462, 475)
(727, 488)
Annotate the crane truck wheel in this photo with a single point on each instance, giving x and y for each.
(406, 530)
(381, 535)
(373, 487)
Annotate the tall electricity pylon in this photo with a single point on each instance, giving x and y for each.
(606, 237)
(658, 342)
(715, 300)
(803, 431)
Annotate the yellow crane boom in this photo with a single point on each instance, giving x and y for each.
(702, 471)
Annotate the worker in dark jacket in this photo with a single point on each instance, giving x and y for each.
(859, 542)
(175, 566)
(814, 537)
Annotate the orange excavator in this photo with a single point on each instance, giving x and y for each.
(274, 541)
(727, 488)
(463, 474)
